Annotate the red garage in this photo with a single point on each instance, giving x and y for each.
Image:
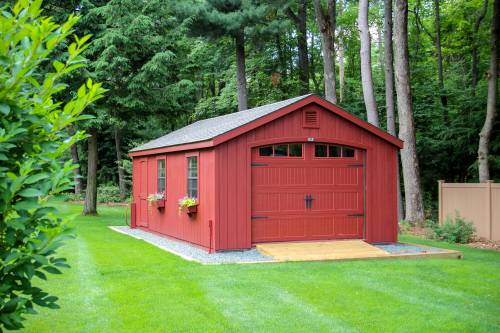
(300, 169)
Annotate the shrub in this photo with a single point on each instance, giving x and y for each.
(430, 224)
(70, 196)
(455, 230)
(33, 141)
(404, 226)
(108, 193)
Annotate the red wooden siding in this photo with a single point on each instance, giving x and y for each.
(230, 190)
(169, 221)
(233, 194)
(234, 180)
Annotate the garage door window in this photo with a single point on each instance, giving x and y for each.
(333, 151)
(295, 150)
(321, 151)
(347, 152)
(282, 150)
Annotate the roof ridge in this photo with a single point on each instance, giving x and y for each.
(233, 120)
(298, 98)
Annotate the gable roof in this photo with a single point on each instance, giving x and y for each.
(211, 128)
(207, 129)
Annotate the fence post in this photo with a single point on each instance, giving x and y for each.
(440, 200)
(490, 222)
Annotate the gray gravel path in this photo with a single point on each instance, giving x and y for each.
(191, 252)
(400, 248)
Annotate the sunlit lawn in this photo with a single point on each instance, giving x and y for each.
(120, 284)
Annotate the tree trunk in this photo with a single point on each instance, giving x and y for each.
(442, 93)
(302, 45)
(290, 55)
(90, 205)
(76, 171)
(341, 70)
(475, 47)
(326, 25)
(366, 64)
(121, 173)
(220, 86)
(76, 160)
(491, 112)
(211, 85)
(281, 57)
(241, 81)
(300, 21)
(389, 90)
(411, 174)
(389, 69)
(312, 68)
(341, 57)
(381, 55)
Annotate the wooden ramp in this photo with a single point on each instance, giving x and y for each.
(321, 250)
(345, 250)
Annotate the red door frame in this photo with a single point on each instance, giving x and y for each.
(360, 148)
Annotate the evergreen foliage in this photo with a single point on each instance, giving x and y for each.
(172, 63)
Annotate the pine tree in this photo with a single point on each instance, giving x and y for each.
(216, 19)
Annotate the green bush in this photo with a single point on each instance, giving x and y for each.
(430, 224)
(455, 230)
(404, 226)
(108, 193)
(70, 196)
(33, 140)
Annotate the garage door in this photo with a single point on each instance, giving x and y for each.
(307, 191)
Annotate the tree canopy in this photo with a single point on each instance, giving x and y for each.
(169, 63)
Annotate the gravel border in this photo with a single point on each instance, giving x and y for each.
(402, 248)
(192, 253)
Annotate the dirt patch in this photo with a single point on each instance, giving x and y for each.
(477, 242)
(416, 231)
(483, 243)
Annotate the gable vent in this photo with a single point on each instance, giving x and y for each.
(311, 119)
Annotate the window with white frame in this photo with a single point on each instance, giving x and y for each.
(161, 176)
(192, 176)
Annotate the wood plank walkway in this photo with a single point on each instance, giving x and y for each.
(337, 250)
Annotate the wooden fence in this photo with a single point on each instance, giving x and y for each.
(476, 202)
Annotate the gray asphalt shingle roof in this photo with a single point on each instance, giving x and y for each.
(208, 129)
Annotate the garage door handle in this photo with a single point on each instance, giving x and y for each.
(308, 199)
(356, 215)
(259, 217)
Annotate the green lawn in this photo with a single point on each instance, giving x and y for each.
(120, 284)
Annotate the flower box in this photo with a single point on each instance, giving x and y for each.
(159, 204)
(192, 209)
(157, 200)
(188, 205)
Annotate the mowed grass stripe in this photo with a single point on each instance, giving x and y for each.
(256, 304)
(121, 284)
(149, 290)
